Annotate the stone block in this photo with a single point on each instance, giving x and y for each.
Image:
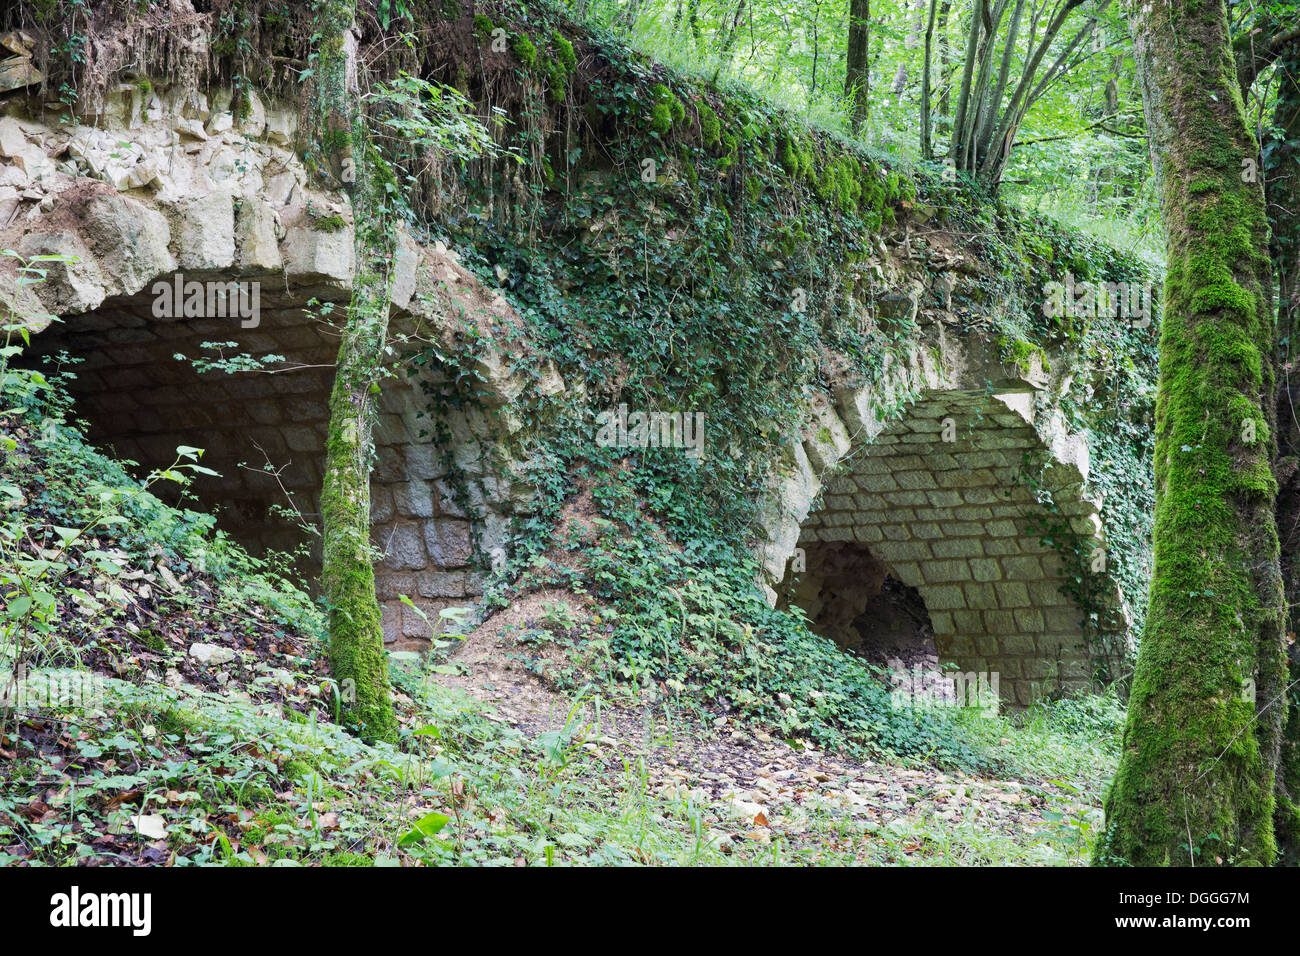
(944, 499)
(448, 542)
(877, 483)
(894, 551)
(205, 233)
(915, 480)
(434, 584)
(1004, 546)
(413, 499)
(959, 548)
(1019, 645)
(256, 241)
(403, 547)
(981, 596)
(944, 572)
(390, 617)
(1012, 594)
(1022, 568)
(945, 597)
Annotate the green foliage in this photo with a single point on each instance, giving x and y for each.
(392, 12)
(233, 785)
(665, 109)
(556, 77)
(688, 618)
(92, 519)
(761, 206)
(564, 52)
(710, 126)
(524, 49)
(1099, 718)
(410, 117)
(1080, 154)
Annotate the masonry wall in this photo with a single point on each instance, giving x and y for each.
(438, 507)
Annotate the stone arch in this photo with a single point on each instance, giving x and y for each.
(925, 475)
(444, 487)
(955, 521)
(442, 493)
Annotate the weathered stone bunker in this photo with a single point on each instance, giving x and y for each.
(916, 480)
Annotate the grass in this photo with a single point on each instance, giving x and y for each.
(242, 765)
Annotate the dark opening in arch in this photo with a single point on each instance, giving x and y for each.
(854, 598)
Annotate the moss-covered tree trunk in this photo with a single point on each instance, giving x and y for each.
(1201, 743)
(357, 656)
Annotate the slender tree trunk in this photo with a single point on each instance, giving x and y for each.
(978, 110)
(1106, 175)
(816, 38)
(857, 72)
(357, 656)
(1282, 190)
(692, 18)
(913, 40)
(927, 149)
(957, 148)
(994, 98)
(1195, 782)
(945, 77)
(725, 51)
(627, 17)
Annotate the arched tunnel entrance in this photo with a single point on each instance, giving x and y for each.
(855, 599)
(434, 503)
(139, 391)
(211, 197)
(926, 547)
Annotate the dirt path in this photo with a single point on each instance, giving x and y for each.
(752, 786)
